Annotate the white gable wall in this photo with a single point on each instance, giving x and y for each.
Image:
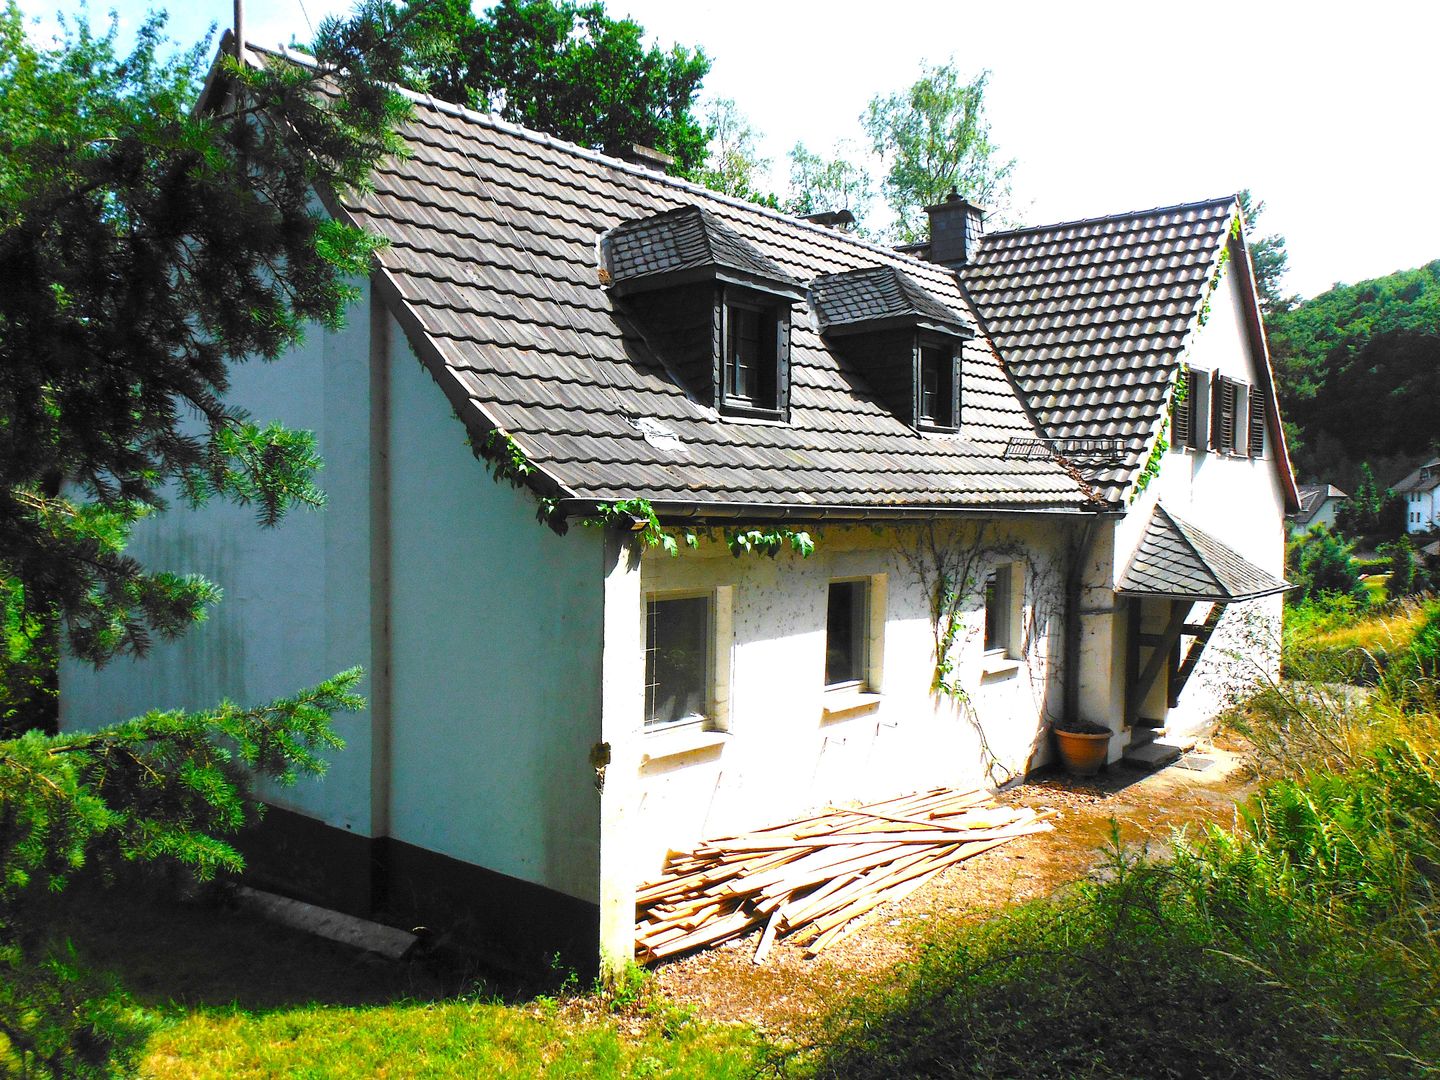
(1238, 500)
(297, 598)
(494, 635)
(496, 641)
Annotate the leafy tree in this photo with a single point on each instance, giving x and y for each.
(1268, 258)
(1407, 575)
(1371, 511)
(28, 689)
(1358, 369)
(935, 137)
(568, 69)
(819, 184)
(1323, 566)
(732, 160)
(146, 247)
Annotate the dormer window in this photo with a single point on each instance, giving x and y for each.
(755, 356)
(937, 386)
(906, 340)
(713, 307)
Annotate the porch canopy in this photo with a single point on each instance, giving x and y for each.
(1175, 560)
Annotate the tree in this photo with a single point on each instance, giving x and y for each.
(146, 247)
(1325, 568)
(1358, 370)
(819, 184)
(935, 137)
(1407, 575)
(1268, 259)
(732, 160)
(568, 69)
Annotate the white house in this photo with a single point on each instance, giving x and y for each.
(1319, 504)
(975, 434)
(1422, 503)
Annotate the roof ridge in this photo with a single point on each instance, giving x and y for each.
(1216, 201)
(543, 138)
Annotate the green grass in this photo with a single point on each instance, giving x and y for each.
(233, 996)
(1303, 942)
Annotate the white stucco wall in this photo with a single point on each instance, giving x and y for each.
(297, 598)
(781, 755)
(496, 638)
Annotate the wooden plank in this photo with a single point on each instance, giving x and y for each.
(934, 836)
(767, 939)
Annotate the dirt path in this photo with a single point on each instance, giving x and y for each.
(723, 984)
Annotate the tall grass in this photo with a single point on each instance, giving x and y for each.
(1302, 942)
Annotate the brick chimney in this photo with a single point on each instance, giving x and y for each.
(645, 156)
(956, 226)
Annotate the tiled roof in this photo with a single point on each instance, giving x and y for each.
(1312, 498)
(1092, 317)
(492, 267)
(687, 239)
(1178, 560)
(1425, 478)
(859, 299)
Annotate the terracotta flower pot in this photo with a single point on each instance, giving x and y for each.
(1083, 754)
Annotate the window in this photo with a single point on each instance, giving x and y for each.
(1002, 610)
(937, 386)
(753, 343)
(677, 659)
(846, 626)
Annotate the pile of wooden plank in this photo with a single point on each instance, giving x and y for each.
(813, 880)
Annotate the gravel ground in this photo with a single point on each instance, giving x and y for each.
(723, 984)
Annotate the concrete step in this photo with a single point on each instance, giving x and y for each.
(1152, 755)
(1139, 736)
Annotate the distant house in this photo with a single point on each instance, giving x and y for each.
(1044, 469)
(1318, 506)
(1422, 503)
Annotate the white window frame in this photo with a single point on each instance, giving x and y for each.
(1011, 634)
(719, 630)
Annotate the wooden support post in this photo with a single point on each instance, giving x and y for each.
(1158, 657)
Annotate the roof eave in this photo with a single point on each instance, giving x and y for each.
(1201, 597)
(677, 511)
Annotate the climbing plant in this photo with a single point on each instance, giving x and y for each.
(1180, 388)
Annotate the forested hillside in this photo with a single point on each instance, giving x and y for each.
(1359, 372)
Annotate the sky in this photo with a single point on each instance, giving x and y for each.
(1328, 112)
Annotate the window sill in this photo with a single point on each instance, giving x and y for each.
(848, 702)
(689, 739)
(998, 665)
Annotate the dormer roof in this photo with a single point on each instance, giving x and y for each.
(689, 244)
(881, 298)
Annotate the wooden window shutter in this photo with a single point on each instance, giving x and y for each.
(1181, 429)
(782, 361)
(1229, 406)
(1216, 410)
(1256, 445)
(955, 393)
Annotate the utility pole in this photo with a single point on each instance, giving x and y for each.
(240, 30)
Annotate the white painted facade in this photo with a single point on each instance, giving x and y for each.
(507, 664)
(1422, 501)
(779, 744)
(1238, 500)
(480, 630)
